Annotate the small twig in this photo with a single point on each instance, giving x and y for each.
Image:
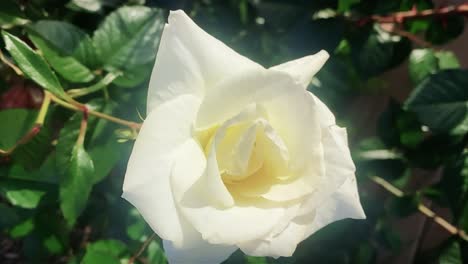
(81, 107)
(142, 248)
(423, 209)
(83, 127)
(10, 64)
(400, 17)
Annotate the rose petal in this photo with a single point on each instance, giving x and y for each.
(282, 245)
(194, 249)
(190, 61)
(294, 118)
(233, 93)
(338, 166)
(157, 147)
(325, 116)
(342, 204)
(336, 199)
(211, 181)
(303, 69)
(246, 220)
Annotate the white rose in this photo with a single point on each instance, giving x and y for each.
(233, 155)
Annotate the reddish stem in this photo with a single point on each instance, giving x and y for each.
(400, 17)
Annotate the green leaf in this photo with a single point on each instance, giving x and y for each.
(91, 6)
(32, 154)
(92, 257)
(134, 76)
(25, 198)
(137, 228)
(94, 6)
(399, 128)
(454, 183)
(451, 255)
(156, 253)
(53, 244)
(67, 66)
(376, 51)
(76, 184)
(15, 124)
(67, 40)
(129, 37)
(66, 142)
(69, 134)
(423, 62)
(112, 247)
(32, 65)
(447, 60)
(255, 260)
(22, 229)
(104, 251)
(441, 101)
(105, 157)
(46, 173)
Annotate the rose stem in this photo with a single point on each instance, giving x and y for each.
(400, 17)
(82, 107)
(422, 208)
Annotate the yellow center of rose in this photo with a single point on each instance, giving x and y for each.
(250, 155)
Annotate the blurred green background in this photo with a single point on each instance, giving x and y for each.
(397, 81)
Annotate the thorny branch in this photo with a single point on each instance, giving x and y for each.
(423, 209)
(392, 23)
(401, 17)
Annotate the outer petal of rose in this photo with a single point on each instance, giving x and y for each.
(200, 253)
(247, 220)
(282, 245)
(344, 203)
(229, 96)
(336, 199)
(325, 116)
(338, 167)
(303, 69)
(190, 61)
(147, 180)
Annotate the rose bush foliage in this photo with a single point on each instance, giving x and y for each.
(235, 159)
